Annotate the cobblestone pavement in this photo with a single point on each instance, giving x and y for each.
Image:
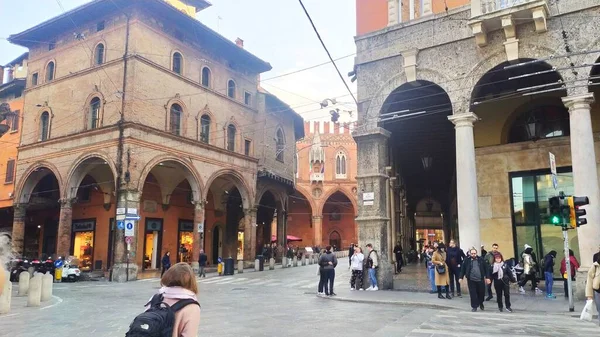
(270, 303)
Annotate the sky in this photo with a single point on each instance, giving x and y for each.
(277, 31)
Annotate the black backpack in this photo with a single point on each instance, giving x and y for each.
(158, 320)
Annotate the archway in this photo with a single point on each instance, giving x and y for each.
(300, 219)
(170, 191)
(37, 235)
(217, 247)
(335, 240)
(339, 216)
(91, 188)
(268, 215)
(422, 152)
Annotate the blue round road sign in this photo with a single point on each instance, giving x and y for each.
(58, 263)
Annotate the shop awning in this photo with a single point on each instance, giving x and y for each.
(289, 238)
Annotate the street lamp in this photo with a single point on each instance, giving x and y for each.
(533, 127)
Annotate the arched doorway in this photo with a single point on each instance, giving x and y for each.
(339, 215)
(422, 153)
(300, 219)
(335, 240)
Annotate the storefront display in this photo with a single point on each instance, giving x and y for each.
(83, 243)
(152, 243)
(185, 241)
(240, 246)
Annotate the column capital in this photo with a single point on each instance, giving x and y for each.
(364, 134)
(317, 217)
(463, 119)
(66, 202)
(579, 101)
(20, 210)
(200, 204)
(250, 211)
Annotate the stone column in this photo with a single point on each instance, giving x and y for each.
(466, 181)
(124, 263)
(372, 215)
(249, 235)
(18, 230)
(585, 178)
(317, 222)
(63, 246)
(198, 237)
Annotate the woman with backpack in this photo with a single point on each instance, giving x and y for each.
(174, 311)
(166, 262)
(502, 276)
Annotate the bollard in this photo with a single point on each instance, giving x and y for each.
(240, 266)
(6, 296)
(23, 283)
(47, 282)
(303, 260)
(295, 262)
(256, 265)
(284, 262)
(271, 263)
(34, 295)
(310, 261)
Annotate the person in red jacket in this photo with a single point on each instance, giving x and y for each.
(563, 270)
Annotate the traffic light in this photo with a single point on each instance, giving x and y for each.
(576, 213)
(555, 207)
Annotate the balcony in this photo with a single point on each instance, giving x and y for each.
(317, 177)
(491, 15)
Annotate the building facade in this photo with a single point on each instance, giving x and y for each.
(13, 77)
(323, 209)
(138, 110)
(463, 106)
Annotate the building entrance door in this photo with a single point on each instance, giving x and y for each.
(153, 243)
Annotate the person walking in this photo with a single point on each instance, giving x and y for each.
(592, 285)
(454, 259)
(356, 262)
(328, 261)
(166, 262)
(441, 271)
(202, 259)
(430, 269)
(574, 266)
(398, 256)
(474, 269)
(372, 264)
(489, 259)
(289, 255)
(502, 276)
(549, 273)
(529, 270)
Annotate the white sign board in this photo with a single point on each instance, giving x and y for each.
(552, 163)
(368, 203)
(120, 210)
(129, 228)
(368, 196)
(120, 217)
(132, 211)
(201, 227)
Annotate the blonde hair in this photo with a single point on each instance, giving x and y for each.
(180, 275)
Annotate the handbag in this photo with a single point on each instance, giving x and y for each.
(440, 269)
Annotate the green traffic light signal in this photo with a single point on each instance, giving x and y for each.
(555, 220)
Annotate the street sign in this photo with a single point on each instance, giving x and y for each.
(129, 225)
(120, 217)
(120, 224)
(201, 227)
(129, 239)
(553, 170)
(132, 218)
(120, 210)
(133, 211)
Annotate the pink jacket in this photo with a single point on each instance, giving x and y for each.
(187, 320)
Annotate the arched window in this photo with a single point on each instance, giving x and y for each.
(50, 71)
(280, 146)
(231, 137)
(231, 88)
(44, 125)
(99, 54)
(177, 62)
(539, 122)
(175, 119)
(94, 117)
(340, 165)
(204, 128)
(206, 77)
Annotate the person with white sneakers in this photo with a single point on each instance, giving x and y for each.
(356, 262)
(372, 264)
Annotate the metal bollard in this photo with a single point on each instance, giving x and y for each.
(240, 266)
(295, 262)
(284, 262)
(34, 295)
(6, 296)
(46, 287)
(23, 283)
(271, 263)
(256, 265)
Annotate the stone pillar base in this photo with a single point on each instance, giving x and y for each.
(119, 272)
(385, 276)
(196, 267)
(579, 284)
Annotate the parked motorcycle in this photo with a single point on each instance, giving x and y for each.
(70, 272)
(34, 266)
(47, 266)
(18, 266)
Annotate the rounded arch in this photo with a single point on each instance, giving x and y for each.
(237, 139)
(50, 70)
(76, 173)
(279, 196)
(231, 89)
(99, 56)
(279, 143)
(32, 176)
(88, 122)
(206, 77)
(177, 62)
(182, 117)
(311, 201)
(190, 174)
(44, 123)
(342, 191)
(205, 132)
(238, 180)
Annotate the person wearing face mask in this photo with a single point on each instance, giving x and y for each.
(476, 272)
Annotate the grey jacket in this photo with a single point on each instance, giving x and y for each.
(325, 259)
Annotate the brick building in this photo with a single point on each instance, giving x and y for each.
(136, 105)
(323, 209)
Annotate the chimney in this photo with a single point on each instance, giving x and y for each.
(239, 42)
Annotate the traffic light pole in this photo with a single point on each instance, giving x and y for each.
(568, 267)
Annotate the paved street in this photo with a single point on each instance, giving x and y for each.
(279, 302)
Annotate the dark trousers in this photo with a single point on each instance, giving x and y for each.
(488, 290)
(164, 269)
(330, 279)
(502, 288)
(476, 292)
(529, 277)
(454, 278)
(399, 263)
(356, 280)
(322, 280)
(567, 287)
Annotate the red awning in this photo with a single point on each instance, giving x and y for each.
(289, 238)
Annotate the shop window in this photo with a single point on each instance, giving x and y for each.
(153, 243)
(83, 243)
(205, 128)
(186, 241)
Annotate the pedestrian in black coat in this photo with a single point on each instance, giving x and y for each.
(166, 262)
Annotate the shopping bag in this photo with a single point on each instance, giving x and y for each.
(586, 314)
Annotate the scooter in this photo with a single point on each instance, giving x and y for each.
(34, 266)
(47, 266)
(18, 266)
(70, 272)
